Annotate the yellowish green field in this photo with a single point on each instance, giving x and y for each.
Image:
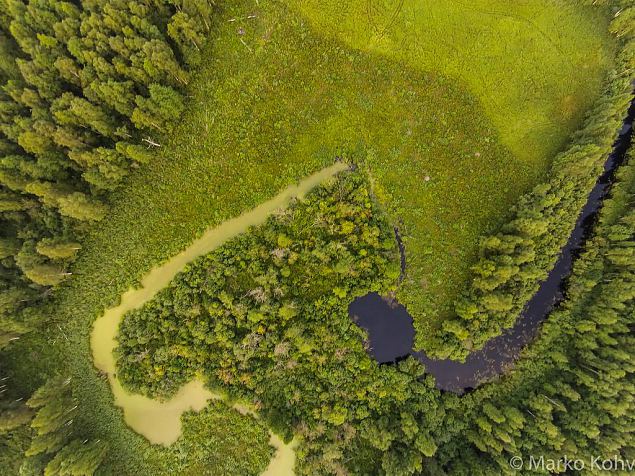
(517, 81)
(533, 65)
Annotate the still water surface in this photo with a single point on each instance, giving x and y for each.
(160, 421)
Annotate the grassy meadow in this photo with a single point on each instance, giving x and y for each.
(535, 66)
(517, 81)
(454, 109)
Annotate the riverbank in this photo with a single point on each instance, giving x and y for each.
(160, 422)
(390, 326)
(275, 99)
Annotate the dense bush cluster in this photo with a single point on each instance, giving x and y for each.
(514, 261)
(573, 392)
(87, 90)
(264, 318)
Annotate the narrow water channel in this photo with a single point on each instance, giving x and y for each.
(390, 327)
(160, 422)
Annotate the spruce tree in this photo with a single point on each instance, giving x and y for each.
(77, 458)
(55, 408)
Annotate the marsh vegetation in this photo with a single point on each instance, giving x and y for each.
(127, 129)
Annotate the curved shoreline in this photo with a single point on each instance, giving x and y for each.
(160, 422)
(501, 352)
(390, 327)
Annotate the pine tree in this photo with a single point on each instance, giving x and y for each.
(77, 458)
(119, 95)
(160, 110)
(33, 465)
(9, 247)
(56, 248)
(161, 65)
(189, 35)
(55, 410)
(49, 193)
(82, 207)
(135, 152)
(38, 269)
(13, 415)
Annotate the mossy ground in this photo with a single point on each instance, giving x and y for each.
(455, 110)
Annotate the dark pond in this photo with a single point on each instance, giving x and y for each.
(390, 327)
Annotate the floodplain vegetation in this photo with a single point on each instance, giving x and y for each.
(128, 128)
(571, 392)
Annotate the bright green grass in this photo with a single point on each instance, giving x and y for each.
(279, 102)
(534, 64)
(534, 67)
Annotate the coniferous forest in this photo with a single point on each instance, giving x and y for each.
(193, 193)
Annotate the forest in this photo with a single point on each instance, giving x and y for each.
(128, 128)
(88, 93)
(515, 260)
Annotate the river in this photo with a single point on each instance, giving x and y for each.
(160, 421)
(390, 327)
